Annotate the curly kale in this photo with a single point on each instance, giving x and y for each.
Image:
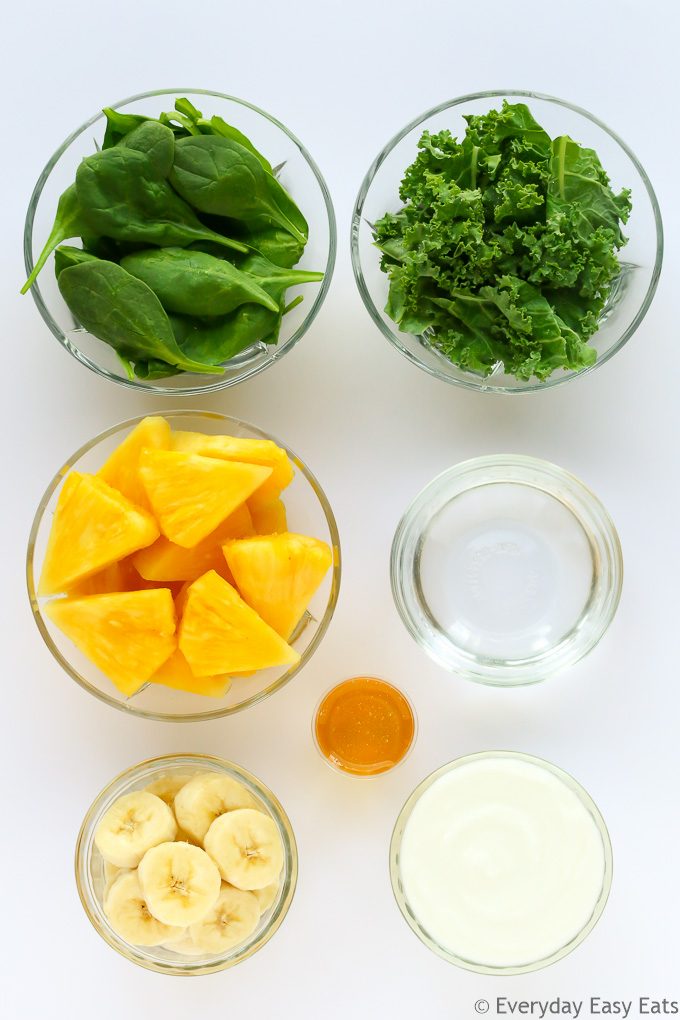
(505, 248)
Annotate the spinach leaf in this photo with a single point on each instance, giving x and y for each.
(217, 126)
(215, 344)
(123, 312)
(278, 246)
(156, 141)
(69, 222)
(65, 256)
(118, 125)
(217, 175)
(123, 196)
(275, 279)
(155, 369)
(195, 283)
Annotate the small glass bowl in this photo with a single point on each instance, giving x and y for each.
(299, 175)
(91, 880)
(308, 513)
(631, 292)
(374, 769)
(407, 910)
(506, 570)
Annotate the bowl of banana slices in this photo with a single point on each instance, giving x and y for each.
(186, 864)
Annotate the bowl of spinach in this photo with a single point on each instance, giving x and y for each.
(180, 241)
(507, 242)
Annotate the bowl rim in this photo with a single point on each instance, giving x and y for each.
(217, 713)
(274, 354)
(85, 840)
(582, 504)
(479, 384)
(397, 885)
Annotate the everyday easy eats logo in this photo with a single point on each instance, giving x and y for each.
(594, 1006)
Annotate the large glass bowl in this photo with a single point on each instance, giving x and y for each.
(91, 878)
(506, 570)
(482, 861)
(299, 174)
(308, 513)
(631, 292)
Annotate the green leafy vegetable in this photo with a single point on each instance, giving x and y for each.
(217, 175)
(156, 141)
(505, 249)
(174, 285)
(193, 283)
(126, 198)
(124, 312)
(69, 222)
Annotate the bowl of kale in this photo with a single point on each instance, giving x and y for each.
(180, 241)
(507, 242)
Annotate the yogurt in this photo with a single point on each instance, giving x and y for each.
(502, 863)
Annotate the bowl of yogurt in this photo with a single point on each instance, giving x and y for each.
(500, 863)
(506, 570)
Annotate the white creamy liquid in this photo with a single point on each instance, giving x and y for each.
(501, 863)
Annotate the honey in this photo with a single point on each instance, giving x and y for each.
(364, 726)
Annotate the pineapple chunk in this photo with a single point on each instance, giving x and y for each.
(121, 468)
(192, 495)
(250, 451)
(176, 672)
(278, 574)
(127, 635)
(268, 515)
(93, 527)
(219, 633)
(165, 561)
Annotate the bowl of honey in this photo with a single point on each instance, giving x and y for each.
(364, 727)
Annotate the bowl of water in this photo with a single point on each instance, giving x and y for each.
(506, 570)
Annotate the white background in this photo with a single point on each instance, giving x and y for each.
(344, 78)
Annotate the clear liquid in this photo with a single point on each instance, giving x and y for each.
(506, 570)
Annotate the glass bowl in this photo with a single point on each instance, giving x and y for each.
(91, 879)
(371, 706)
(506, 570)
(308, 513)
(491, 856)
(299, 174)
(631, 292)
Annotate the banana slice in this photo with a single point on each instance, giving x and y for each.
(133, 824)
(184, 946)
(166, 787)
(128, 914)
(111, 873)
(207, 796)
(247, 848)
(235, 915)
(179, 882)
(265, 897)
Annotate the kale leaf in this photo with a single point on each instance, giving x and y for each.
(505, 248)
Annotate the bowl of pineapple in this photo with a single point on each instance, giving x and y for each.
(184, 566)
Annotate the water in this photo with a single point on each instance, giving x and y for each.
(506, 570)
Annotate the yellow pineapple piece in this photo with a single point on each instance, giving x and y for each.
(192, 495)
(176, 672)
(121, 468)
(94, 525)
(127, 635)
(166, 561)
(268, 515)
(119, 576)
(278, 574)
(219, 633)
(250, 451)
